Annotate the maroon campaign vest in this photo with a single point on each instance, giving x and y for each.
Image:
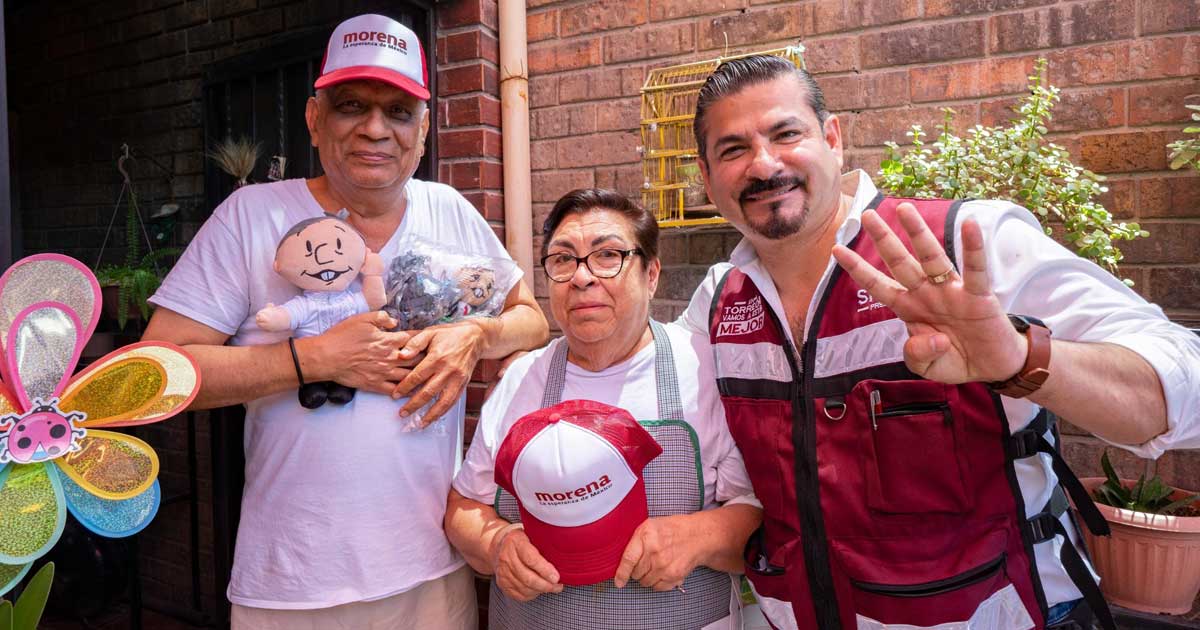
(884, 494)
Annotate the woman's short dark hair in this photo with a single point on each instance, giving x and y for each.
(645, 227)
(735, 75)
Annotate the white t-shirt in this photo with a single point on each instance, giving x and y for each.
(629, 385)
(1030, 275)
(340, 504)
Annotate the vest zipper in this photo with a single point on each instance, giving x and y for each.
(929, 589)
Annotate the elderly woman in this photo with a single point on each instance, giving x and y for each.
(600, 252)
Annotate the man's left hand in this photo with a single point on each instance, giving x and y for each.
(450, 354)
(661, 553)
(958, 331)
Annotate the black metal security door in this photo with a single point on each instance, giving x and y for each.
(261, 96)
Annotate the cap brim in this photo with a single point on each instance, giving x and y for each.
(590, 553)
(373, 73)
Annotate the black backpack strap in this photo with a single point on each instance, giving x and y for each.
(1046, 526)
(1032, 440)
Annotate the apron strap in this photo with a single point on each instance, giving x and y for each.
(670, 405)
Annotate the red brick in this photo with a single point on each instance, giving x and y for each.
(1162, 57)
(972, 79)
(1081, 110)
(468, 13)
(581, 118)
(922, 44)
(831, 54)
(600, 84)
(543, 25)
(616, 115)
(867, 161)
(548, 122)
(1124, 152)
(864, 91)
(1165, 16)
(542, 155)
(671, 9)
(598, 149)
(475, 77)
(1162, 102)
(626, 179)
(1177, 196)
(489, 204)
(548, 186)
(1180, 469)
(944, 8)
(476, 174)
(1120, 198)
(477, 109)
(590, 17)
(469, 143)
(474, 44)
(752, 27)
(877, 127)
(1054, 27)
(650, 42)
(543, 91)
(829, 17)
(557, 55)
(1175, 287)
(1169, 243)
(1089, 65)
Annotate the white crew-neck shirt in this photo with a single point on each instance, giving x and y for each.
(340, 505)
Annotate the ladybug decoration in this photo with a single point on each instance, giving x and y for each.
(41, 434)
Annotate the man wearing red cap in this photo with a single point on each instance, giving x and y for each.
(342, 511)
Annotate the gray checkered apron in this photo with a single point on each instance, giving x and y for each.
(674, 485)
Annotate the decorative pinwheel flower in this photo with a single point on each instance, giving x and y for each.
(52, 458)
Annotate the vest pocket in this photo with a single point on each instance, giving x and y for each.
(891, 583)
(914, 448)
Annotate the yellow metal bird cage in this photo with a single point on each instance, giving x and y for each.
(671, 185)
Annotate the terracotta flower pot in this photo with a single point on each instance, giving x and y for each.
(1151, 562)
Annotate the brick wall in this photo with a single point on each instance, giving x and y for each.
(1125, 68)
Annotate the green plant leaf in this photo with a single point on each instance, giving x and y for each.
(1175, 505)
(29, 607)
(6, 615)
(1109, 472)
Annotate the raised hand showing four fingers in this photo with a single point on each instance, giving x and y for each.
(958, 331)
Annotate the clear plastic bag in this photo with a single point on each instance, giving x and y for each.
(430, 283)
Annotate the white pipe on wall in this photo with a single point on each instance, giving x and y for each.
(514, 121)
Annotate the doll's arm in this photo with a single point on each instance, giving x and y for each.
(273, 318)
(372, 281)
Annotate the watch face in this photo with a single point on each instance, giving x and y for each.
(1019, 322)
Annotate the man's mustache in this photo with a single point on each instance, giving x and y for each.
(757, 186)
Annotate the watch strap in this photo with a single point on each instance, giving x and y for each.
(1036, 370)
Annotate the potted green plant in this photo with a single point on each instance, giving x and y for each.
(127, 285)
(1151, 562)
(1017, 163)
(26, 613)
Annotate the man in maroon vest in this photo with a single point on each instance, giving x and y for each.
(891, 370)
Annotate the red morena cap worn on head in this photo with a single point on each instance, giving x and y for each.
(576, 471)
(375, 48)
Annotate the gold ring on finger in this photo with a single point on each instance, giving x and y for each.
(941, 277)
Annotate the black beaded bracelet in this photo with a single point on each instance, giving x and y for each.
(296, 360)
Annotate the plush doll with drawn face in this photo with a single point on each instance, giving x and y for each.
(476, 285)
(322, 256)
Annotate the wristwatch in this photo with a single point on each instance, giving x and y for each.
(1036, 370)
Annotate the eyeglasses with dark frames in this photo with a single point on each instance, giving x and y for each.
(602, 263)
